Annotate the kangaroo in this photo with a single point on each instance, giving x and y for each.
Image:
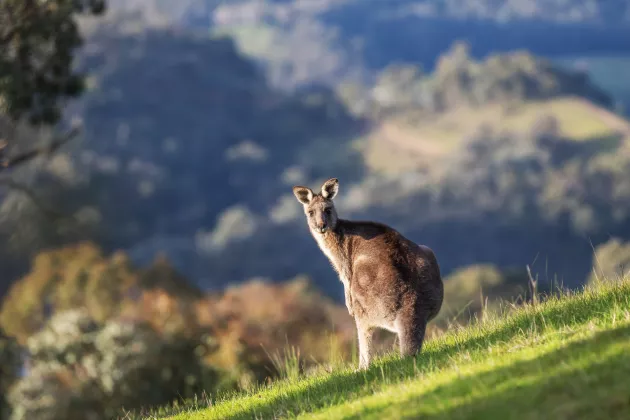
(389, 281)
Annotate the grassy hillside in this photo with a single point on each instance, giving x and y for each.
(564, 358)
(417, 139)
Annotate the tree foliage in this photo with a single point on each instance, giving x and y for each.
(81, 276)
(82, 369)
(73, 295)
(37, 42)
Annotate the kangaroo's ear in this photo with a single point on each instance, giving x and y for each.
(330, 188)
(303, 194)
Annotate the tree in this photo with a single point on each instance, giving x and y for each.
(80, 276)
(37, 43)
(82, 369)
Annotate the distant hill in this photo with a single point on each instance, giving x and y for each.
(423, 117)
(300, 42)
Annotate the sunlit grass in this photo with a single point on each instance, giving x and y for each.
(567, 357)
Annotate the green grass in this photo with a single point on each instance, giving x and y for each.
(566, 358)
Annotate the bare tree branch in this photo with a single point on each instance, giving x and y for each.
(11, 162)
(7, 163)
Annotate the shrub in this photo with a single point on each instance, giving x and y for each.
(80, 276)
(79, 368)
(611, 261)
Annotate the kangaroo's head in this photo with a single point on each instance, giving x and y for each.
(319, 208)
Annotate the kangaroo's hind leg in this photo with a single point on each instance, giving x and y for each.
(411, 327)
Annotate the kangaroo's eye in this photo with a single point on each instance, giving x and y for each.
(310, 212)
(328, 211)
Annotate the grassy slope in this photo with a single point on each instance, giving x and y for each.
(408, 142)
(566, 358)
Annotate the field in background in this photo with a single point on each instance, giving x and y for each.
(417, 140)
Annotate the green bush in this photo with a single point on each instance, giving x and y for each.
(82, 276)
(466, 290)
(611, 261)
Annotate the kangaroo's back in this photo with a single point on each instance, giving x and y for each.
(389, 271)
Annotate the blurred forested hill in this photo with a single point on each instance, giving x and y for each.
(301, 41)
(201, 115)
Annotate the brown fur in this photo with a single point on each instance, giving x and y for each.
(390, 282)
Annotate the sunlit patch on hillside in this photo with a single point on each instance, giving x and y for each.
(419, 140)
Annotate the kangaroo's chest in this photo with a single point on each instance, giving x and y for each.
(334, 252)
